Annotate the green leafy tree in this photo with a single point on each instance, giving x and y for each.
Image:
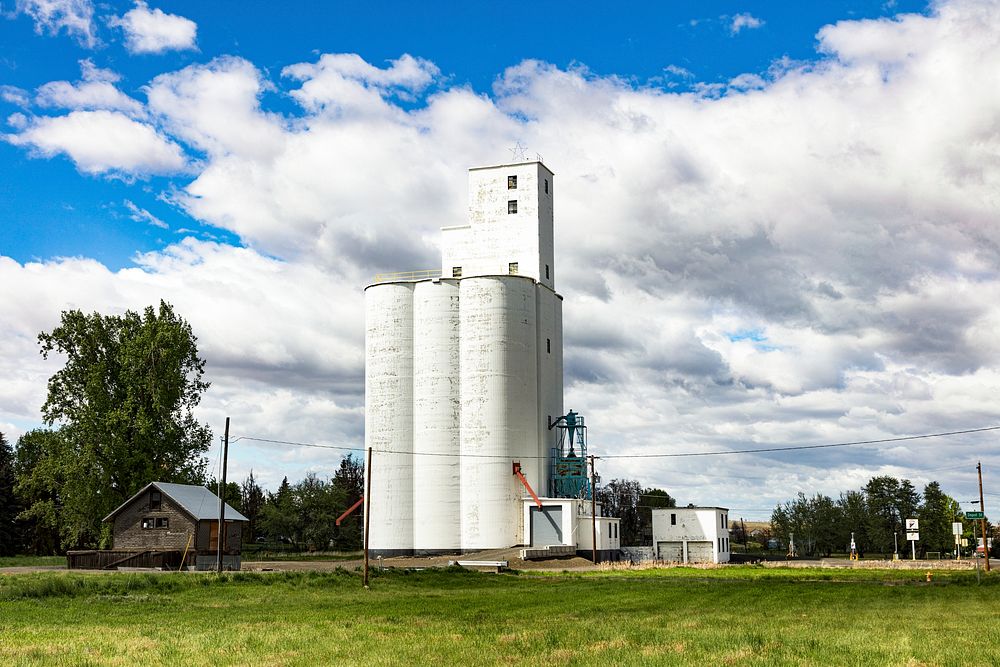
(124, 403)
(253, 499)
(348, 487)
(884, 520)
(280, 519)
(936, 516)
(317, 505)
(852, 509)
(650, 499)
(37, 489)
(620, 498)
(10, 537)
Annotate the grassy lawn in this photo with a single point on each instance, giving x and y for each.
(26, 561)
(739, 616)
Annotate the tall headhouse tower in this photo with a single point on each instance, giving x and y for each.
(464, 374)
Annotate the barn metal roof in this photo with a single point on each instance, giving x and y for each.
(197, 501)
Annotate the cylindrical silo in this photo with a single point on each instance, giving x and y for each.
(389, 415)
(436, 414)
(497, 360)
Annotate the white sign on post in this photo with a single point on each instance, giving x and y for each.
(912, 524)
(956, 528)
(913, 537)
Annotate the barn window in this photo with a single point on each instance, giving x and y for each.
(154, 500)
(162, 522)
(512, 206)
(512, 182)
(147, 523)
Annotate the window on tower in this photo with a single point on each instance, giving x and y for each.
(456, 272)
(512, 268)
(546, 186)
(548, 345)
(512, 206)
(512, 182)
(546, 271)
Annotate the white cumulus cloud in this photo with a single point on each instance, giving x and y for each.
(154, 31)
(75, 17)
(103, 142)
(744, 21)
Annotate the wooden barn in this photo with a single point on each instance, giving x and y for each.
(168, 526)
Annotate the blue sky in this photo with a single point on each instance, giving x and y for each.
(775, 222)
(50, 210)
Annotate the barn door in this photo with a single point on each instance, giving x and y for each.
(213, 536)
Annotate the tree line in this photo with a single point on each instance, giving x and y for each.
(875, 515)
(120, 414)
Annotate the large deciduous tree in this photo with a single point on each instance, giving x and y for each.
(123, 403)
(9, 533)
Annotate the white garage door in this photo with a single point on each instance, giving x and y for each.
(699, 552)
(670, 551)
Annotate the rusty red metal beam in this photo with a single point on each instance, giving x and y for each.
(520, 476)
(350, 509)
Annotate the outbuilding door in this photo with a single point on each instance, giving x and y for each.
(670, 551)
(546, 526)
(699, 552)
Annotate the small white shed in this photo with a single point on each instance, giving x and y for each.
(568, 522)
(691, 534)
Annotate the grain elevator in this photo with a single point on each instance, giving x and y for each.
(464, 376)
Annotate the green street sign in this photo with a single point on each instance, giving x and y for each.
(974, 515)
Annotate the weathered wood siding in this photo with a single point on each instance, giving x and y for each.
(129, 533)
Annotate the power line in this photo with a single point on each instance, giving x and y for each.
(664, 455)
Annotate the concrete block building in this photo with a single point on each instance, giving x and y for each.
(691, 534)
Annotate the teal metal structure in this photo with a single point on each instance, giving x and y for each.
(568, 477)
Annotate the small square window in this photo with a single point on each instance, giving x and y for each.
(512, 206)
(512, 268)
(512, 182)
(456, 272)
(546, 186)
(162, 522)
(154, 500)
(147, 523)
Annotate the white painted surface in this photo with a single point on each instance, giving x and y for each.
(550, 381)
(493, 237)
(389, 413)
(694, 527)
(498, 388)
(436, 415)
(577, 526)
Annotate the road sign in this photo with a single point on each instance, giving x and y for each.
(912, 524)
(913, 537)
(974, 515)
(956, 528)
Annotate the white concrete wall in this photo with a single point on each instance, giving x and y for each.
(493, 237)
(436, 417)
(499, 405)
(550, 380)
(389, 414)
(699, 524)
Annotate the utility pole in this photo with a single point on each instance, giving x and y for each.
(368, 495)
(982, 508)
(593, 510)
(221, 541)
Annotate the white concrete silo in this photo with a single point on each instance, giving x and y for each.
(498, 385)
(436, 417)
(389, 415)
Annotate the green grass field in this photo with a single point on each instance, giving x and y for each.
(738, 616)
